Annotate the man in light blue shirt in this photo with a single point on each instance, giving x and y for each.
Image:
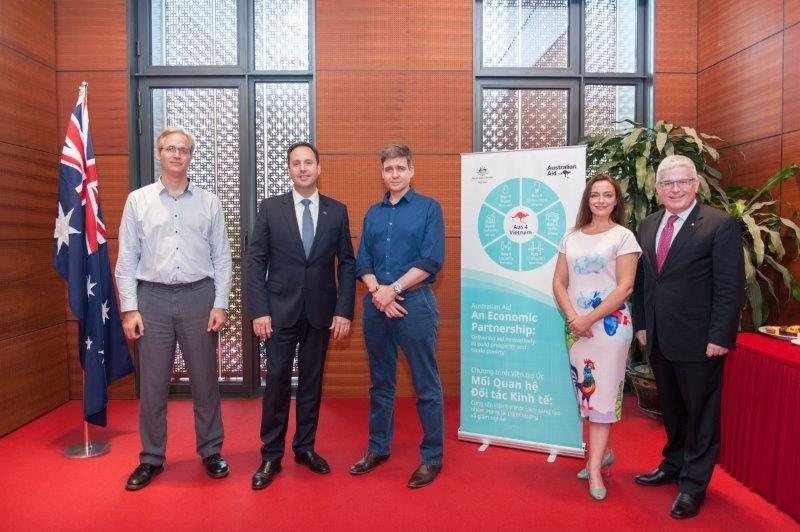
(174, 278)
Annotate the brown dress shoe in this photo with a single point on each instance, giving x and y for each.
(369, 462)
(424, 475)
(265, 474)
(142, 476)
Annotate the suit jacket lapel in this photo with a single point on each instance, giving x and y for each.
(687, 230)
(649, 244)
(291, 222)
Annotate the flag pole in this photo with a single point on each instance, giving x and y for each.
(88, 448)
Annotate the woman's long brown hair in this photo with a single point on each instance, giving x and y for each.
(585, 213)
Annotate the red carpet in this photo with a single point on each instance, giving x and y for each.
(497, 489)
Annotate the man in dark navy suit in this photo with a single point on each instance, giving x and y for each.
(293, 298)
(687, 298)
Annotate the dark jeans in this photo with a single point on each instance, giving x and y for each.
(415, 334)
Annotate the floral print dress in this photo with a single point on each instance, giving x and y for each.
(598, 363)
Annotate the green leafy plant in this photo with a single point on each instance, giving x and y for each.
(632, 156)
(762, 228)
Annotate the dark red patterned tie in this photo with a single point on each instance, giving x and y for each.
(664, 241)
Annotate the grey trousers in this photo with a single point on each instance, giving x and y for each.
(177, 313)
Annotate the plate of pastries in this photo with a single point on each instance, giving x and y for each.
(783, 332)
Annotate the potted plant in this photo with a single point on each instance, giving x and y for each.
(632, 156)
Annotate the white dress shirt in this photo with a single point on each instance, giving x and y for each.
(677, 225)
(172, 240)
(299, 208)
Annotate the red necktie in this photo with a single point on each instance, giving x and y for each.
(664, 241)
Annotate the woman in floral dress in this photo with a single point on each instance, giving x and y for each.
(594, 276)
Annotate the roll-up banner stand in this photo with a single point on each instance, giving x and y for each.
(516, 388)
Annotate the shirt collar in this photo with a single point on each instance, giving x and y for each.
(408, 196)
(683, 214)
(297, 197)
(160, 186)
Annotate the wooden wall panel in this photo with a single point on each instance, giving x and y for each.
(676, 36)
(31, 292)
(92, 35)
(790, 192)
(347, 366)
(113, 176)
(360, 112)
(739, 99)
(108, 108)
(356, 180)
(28, 110)
(28, 28)
(729, 26)
(33, 369)
(752, 163)
(389, 35)
(29, 193)
(676, 98)
(791, 149)
(791, 12)
(791, 78)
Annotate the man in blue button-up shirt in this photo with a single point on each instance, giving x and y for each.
(401, 251)
(174, 279)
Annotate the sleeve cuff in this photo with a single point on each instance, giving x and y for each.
(428, 265)
(364, 270)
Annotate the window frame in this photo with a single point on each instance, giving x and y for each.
(243, 76)
(542, 78)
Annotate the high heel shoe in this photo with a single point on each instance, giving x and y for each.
(608, 461)
(598, 494)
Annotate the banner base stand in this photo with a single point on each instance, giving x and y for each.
(87, 450)
(485, 439)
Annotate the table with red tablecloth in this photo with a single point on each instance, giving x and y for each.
(761, 418)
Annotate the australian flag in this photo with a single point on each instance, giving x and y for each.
(81, 258)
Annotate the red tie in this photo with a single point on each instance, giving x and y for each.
(664, 241)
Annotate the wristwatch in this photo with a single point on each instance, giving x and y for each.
(398, 288)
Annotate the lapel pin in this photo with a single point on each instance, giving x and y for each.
(326, 212)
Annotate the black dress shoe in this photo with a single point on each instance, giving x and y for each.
(424, 475)
(142, 476)
(686, 505)
(656, 477)
(369, 462)
(264, 474)
(315, 462)
(216, 466)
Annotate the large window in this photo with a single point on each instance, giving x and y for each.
(237, 74)
(550, 71)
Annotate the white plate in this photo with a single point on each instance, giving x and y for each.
(790, 337)
(796, 341)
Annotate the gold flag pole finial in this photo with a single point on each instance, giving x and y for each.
(83, 89)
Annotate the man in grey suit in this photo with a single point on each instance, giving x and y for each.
(174, 278)
(300, 248)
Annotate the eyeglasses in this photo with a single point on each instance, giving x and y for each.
(681, 183)
(172, 150)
